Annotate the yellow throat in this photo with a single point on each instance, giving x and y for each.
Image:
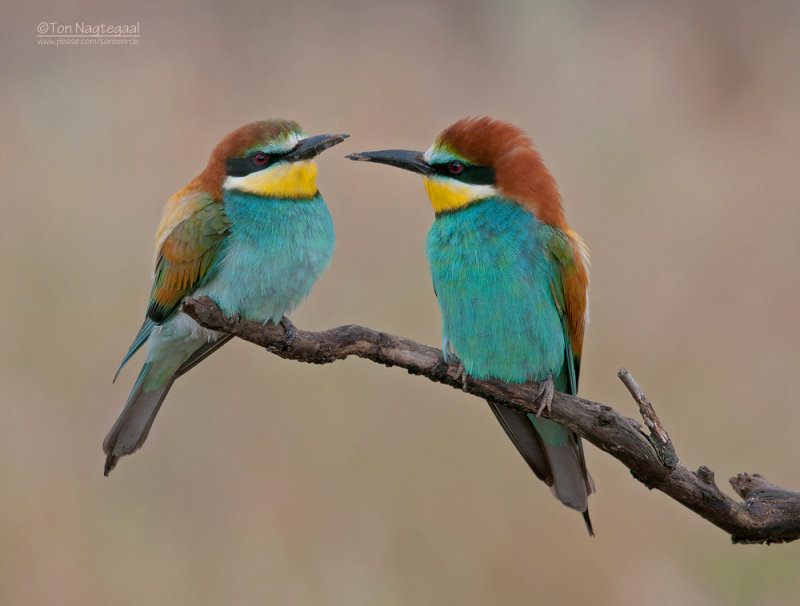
(448, 194)
(293, 180)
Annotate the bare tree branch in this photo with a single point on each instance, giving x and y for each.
(769, 513)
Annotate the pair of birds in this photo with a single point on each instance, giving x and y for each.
(253, 233)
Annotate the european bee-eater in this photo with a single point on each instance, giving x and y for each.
(253, 233)
(511, 280)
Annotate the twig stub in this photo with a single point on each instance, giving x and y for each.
(658, 437)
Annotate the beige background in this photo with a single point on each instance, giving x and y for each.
(674, 132)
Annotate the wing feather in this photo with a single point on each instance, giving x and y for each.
(188, 252)
(569, 287)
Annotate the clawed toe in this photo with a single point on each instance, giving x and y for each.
(461, 373)
(545, 395)
(290, 330)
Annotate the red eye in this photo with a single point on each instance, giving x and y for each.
(260, 158)
(455, 168)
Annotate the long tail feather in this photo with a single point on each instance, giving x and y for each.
(131, 428)
(588, 521)
(557, 460)
(202, 353)
(528, 442)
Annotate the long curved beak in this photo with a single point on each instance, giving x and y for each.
(312, 146)
(401, 158)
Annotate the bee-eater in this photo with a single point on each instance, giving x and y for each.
(253, 233)
(511, 278)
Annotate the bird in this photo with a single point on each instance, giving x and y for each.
(251, 232)
(511, 279)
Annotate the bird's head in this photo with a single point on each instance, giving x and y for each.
(271, 158)
(479, 158)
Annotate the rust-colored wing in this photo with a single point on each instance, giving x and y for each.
(569, 286)
(188, 252)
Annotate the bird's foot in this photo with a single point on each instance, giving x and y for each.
(545, 395)
(289, 330)
(461, 374)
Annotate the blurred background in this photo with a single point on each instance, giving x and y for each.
(673, 130)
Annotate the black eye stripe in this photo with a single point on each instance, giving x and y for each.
(475, 175)
(240, 167)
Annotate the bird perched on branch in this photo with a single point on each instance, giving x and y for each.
(511, 280)
(253, 233)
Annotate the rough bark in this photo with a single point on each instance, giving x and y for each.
(768, 514)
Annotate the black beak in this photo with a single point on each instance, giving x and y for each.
(312, 146)
(401, 158)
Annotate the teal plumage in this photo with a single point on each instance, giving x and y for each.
(510, 277)
(492, 276)
(252, 233)
(276, 250)
(492, 272)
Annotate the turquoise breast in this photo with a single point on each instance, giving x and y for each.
(492, 274)
(276, 250)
